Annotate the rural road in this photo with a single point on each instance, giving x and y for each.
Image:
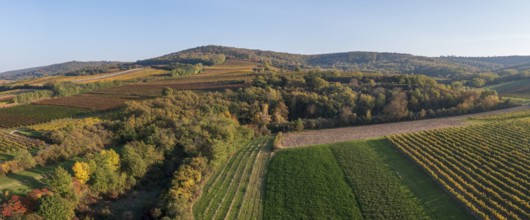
(107, 76)
(333, 135)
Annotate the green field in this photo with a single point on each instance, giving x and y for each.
(235, 191)
(519, 88)
(24, 181)
(308, 183)
(379, 191)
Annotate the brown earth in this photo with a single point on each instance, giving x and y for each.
(87, 101)
(325, 136)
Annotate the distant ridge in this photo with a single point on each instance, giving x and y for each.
(55, 69)
(381, 62)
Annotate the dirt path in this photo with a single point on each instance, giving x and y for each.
(107, 76)
(312, 137)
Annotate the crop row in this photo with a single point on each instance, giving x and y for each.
(9, 142)
(32, 114)
(485, 166)
(92, 102)
(227, 189)
(379, 191)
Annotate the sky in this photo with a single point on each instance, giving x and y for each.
(35, 32)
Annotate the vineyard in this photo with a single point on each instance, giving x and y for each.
(32, 114)
(235, 191)
(10, 143)
(122, 76)
(88, 101)
(155, 90)
(351, 180)
(380, 192)
(485, 166)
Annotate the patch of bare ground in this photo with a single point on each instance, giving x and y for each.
(325, 136)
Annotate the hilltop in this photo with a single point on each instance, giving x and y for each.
(383, 62)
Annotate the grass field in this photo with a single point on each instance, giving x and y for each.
(519, 88)
(32, 114)
(485, 166)
(308, 183)
(235, 191)
(24, 181)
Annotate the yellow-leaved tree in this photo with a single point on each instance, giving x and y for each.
(112, 158)
(82, 171)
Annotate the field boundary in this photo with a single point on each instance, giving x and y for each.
(335, 135)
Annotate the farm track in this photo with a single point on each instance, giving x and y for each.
(325, 136)
(107, 76)
(232, 192)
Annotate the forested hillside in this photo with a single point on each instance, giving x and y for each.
(73, 67)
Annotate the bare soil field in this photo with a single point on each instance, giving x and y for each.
(325, 136)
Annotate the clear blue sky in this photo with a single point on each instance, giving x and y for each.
(37, 32)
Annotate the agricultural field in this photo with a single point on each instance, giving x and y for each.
(230, 75)
(10, 143)
(236, 190)
(151, 91)
(308, 183)
(324, 136)
(32, 114)
(520, 88)
(125, 75)
(380, 193)
(6, 97)
(485, 166)
(383, 184)
(86, 101)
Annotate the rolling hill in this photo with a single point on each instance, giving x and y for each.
(58, 69)
(382, 62)
(389, 63)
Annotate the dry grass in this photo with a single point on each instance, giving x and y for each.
(325, 136)
(132, 75)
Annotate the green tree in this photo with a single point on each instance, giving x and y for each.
(478, 82)
(55, 207)
(61, 183)
(133, 162)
